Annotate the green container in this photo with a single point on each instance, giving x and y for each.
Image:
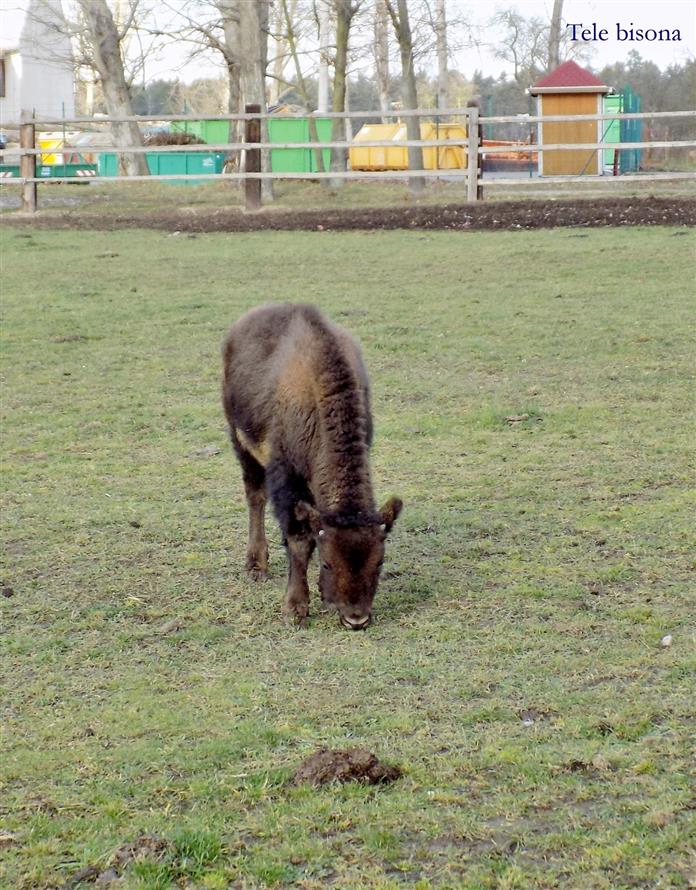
(212, 132)
(161, 163)
(611, 130)
(296, 129)
(52, 171)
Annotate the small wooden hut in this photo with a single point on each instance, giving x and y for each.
(569, 89)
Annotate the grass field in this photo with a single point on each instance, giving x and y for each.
(139, 198)
(515, 669)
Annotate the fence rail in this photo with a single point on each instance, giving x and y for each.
(520, 148)
(252, 147)
(343, 115)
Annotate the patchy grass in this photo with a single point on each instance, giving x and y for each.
(110, 199)
(534, 405)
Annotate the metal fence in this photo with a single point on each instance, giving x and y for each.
(251, 148)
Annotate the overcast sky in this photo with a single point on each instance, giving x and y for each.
(644, 14)
(657, 14)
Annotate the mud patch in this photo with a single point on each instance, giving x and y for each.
(352, 765)
(147, 846)
(532, 214)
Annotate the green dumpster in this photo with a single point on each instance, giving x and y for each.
(161, 163)
(212, 132)
(296, 129)
(51, 171)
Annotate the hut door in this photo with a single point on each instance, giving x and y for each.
(569, 162)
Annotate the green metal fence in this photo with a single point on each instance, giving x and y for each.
(631, 131)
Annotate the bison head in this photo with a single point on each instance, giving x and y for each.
(351, 553)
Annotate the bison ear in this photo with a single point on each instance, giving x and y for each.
(390, 512)
(305, 512)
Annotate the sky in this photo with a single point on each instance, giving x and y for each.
(643, 14)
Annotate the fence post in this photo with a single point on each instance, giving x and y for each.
(27, 163)
(472, 155)
(479, 171)
(252, 133)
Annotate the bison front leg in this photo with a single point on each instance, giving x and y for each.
(296, 606)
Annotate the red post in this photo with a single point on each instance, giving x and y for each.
(252, 133)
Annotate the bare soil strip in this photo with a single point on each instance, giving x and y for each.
(542, 214)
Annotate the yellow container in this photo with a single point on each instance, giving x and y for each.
(395, 157)
(51, 142)
(382, 158)
(444, 157)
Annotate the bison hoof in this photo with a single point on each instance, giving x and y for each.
(294, 620)
(257, 571)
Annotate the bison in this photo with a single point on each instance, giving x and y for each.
(297, 400)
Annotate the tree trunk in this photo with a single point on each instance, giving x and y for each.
(409, 92)
(381, 47)
(554, 56)
(253, 52)
(301, 83)
(348, 123)
(344, 14)
(230, 28)
(324, 38)
(441, 46)
(279, 60)
(234, 98)
(107, 58)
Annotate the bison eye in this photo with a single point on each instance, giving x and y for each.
(326, 567)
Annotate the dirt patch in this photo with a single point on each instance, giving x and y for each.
(351, 765)
(513, 215)
(147, 846)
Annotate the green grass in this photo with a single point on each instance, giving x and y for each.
(139, 198)
(514, 670)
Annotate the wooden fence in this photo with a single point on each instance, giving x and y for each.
(252, 147)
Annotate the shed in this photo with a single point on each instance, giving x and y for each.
(569, 89)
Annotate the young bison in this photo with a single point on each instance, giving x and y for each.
(296, 396)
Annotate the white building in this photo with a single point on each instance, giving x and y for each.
(36, 71)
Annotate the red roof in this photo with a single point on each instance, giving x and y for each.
(570, 74)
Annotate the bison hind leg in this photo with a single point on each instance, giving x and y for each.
(254, 477)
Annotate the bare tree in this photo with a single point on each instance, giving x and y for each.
(441, 47)
(203, 96)
(554, 55)
(291, 38)
(253, 49)
(253, 59)
(409, 92)
(228, 47)
(344, 11)
(527, 41)
(98, 41)
(207, 25)
(105, 43)
(523, 45)
(238, 31)
(324, 16)
(381, 51)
